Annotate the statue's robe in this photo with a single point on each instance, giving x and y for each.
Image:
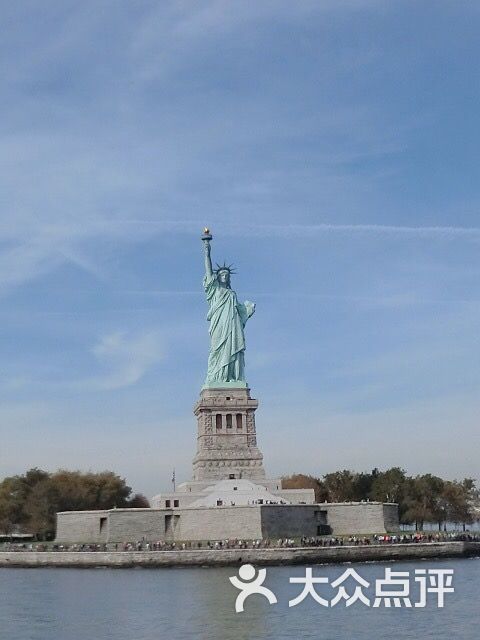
(227, 317)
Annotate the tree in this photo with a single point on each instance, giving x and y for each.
(138, 501)
(10, 506)
(459, 499)
(423, 501)
(79, 491)
(362, 485)
(40, 508)
(472, 497)
(30, 502)
(391, 486)
(340, 486)
(14, 492)
(302, 481)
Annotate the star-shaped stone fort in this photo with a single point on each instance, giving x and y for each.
(229, 496)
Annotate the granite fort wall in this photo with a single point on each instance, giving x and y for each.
(220, 523)
(292, 522)
(361, 518)
(248, 522)
(126, 525)
(390, 517)
(204, 523)
(133, 524)
(327, 555)
(82, 526)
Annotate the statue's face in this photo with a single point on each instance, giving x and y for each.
(223, 277)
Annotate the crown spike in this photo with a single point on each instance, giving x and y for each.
(225, 267)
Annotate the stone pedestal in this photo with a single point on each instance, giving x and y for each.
(227, 439)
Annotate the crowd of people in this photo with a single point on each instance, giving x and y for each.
(404, 538)
(322, 541)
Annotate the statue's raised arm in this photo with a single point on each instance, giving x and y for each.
(227, 318)
(206, 237)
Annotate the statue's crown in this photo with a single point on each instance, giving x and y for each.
(225, 267)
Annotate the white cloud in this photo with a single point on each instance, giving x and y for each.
(126, 358)
(305, 231)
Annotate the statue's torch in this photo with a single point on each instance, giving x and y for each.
(206, 236)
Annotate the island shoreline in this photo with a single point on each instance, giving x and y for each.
(235, 557)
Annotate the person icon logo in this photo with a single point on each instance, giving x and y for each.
(249, 584)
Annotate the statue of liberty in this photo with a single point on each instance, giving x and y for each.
(227, 318)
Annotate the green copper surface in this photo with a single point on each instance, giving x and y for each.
(227, 318)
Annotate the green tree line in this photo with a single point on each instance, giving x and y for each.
(421, 499)
(29, 502)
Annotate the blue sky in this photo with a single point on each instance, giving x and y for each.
(331, 146)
